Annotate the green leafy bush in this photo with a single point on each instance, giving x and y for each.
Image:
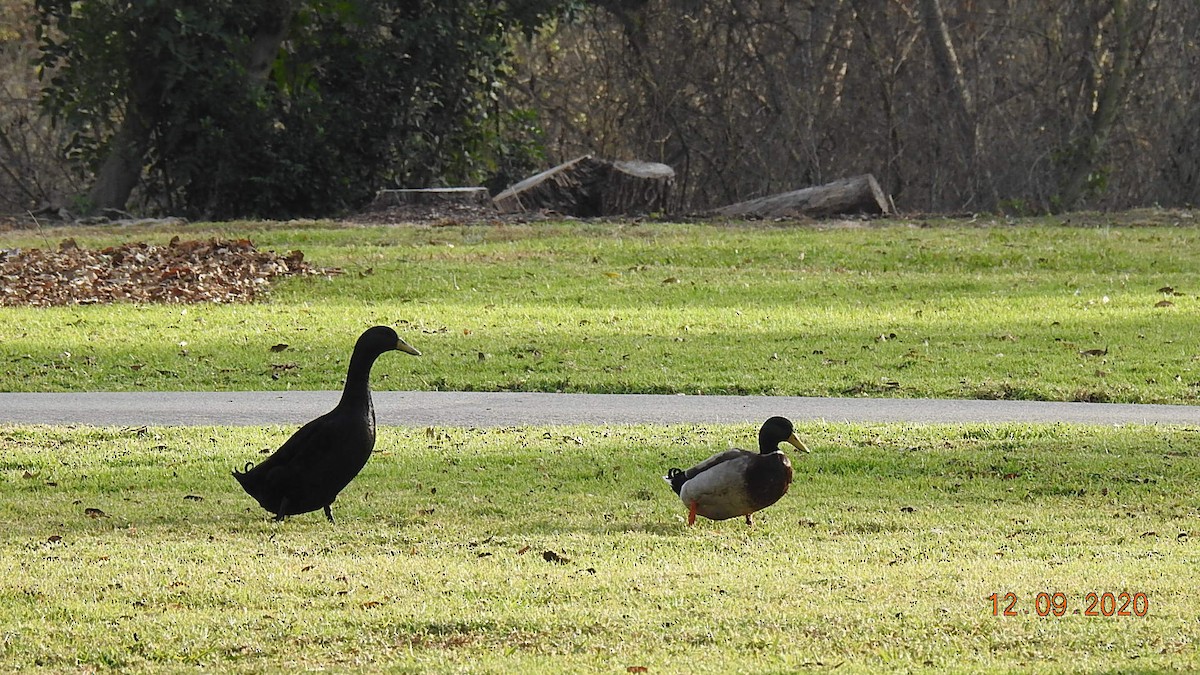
(226, 108)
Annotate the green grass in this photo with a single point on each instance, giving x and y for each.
(951, 310)
(881, 558)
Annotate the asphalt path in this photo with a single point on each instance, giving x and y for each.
(482, 409)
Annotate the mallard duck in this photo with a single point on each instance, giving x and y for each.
(308, 471)
(739, 482)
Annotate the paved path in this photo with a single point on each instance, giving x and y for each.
(478, 409)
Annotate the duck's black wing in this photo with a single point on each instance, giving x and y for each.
(309, 470)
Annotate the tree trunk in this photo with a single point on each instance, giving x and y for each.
(1108, 102)
(856, 195)
(945, 59)
(122, 167)
(950, 72)
(269, 34)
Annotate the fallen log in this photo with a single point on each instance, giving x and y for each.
(431, 197)
(587, 187)
(848, 196)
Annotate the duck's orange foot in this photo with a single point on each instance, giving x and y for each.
(692, 513)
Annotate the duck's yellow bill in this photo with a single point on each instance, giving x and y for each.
(798, 443)
(407, 348)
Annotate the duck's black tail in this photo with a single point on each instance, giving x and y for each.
(245, 478)
(253, 482)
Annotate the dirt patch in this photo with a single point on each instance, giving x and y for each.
(195, 271)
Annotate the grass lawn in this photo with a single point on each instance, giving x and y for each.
(559, 549)
(1103, 310)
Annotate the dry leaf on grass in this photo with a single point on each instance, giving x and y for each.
(194, 271)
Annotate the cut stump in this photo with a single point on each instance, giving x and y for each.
(857, 195)
(587, 187)
(636, 187)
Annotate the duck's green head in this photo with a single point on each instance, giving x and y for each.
(775, 431)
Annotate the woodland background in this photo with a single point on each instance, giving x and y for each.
(283, 108)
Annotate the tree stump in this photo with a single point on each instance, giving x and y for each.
(636, 187)
(587, 187)
(855, 195)
(565, 188)
(477, 196)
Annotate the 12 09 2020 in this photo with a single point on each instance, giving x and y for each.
(1051, 603)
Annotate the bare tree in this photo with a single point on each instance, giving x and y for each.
(31, 171)
(962, 105)
(977, 105)
(1119, 35)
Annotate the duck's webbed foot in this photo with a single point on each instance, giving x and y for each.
(692, 513)
(749, 522)
(328, 513)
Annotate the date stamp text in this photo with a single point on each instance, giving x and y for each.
(1058, 604)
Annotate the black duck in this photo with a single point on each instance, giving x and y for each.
(308, 471)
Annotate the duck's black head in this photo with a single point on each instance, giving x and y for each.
(379, 339)
(775, 431)
(676, 477)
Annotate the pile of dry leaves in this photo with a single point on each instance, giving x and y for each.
(193, 271)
